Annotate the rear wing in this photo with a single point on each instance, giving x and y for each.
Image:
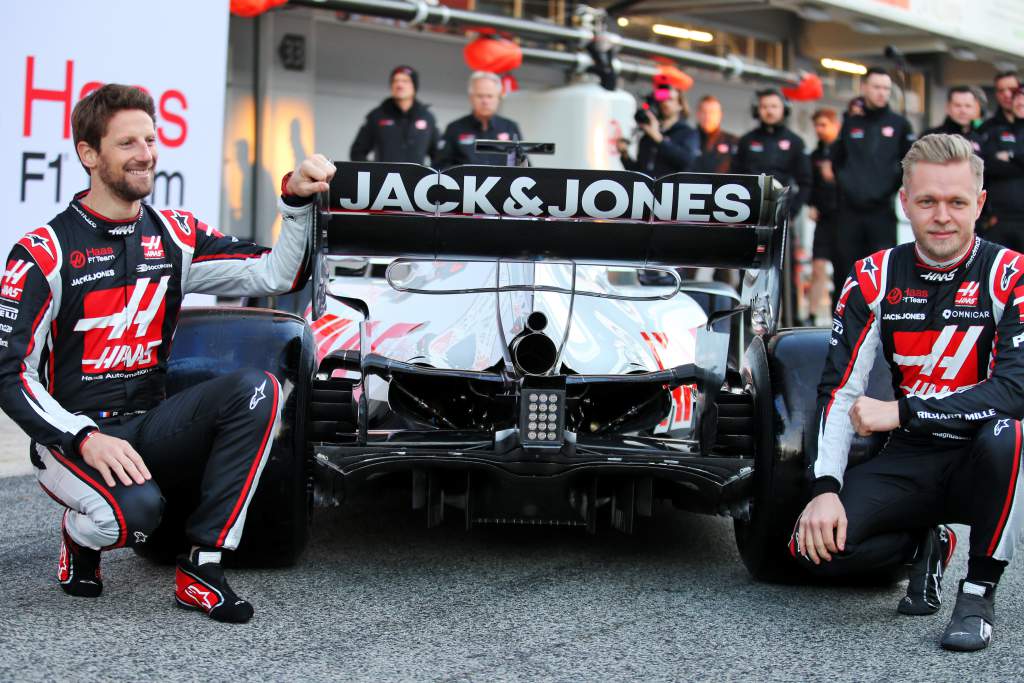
(618, 218)
(596, 217)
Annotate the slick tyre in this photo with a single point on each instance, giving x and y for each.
(761, 538)
(278, 520)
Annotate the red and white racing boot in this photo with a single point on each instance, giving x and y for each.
(203, 587)
(78, 568)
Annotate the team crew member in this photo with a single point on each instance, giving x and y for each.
(716, 145)
(866, 162)
(774, 149)
(946, 312)
(459, 140)
(401, 128)
(90, 302)
(823, 208)
(961, 107)
(669, 144)
(1004, 167)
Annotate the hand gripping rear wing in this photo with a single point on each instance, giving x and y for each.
(534, 214)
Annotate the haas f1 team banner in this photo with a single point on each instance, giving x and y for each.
(57, 51)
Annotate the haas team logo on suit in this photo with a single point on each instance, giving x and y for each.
(122, 326)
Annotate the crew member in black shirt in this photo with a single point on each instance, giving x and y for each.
(459, 140)
(823, 207)
(401, 128)
(1004, 168)
(716, 146)
(961, 105)
(774, 149)
(866, 162)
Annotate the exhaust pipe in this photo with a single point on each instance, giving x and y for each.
(534, 352)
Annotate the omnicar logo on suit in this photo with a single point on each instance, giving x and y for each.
(548, 194)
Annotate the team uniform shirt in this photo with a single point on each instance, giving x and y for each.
(395, 135)
(716, 151)
(866, 157)
(457, 146)
(779, 152)
(951, 127)
(1004, 179)
(89, 307)
(824, 195)
(951, 337)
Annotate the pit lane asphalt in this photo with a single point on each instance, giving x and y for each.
(379, 597)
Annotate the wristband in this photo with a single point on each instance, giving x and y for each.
(284, 184)
(85, 438)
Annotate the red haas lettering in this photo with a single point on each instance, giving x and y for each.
(13, 282)
(122, 336)
(170, 117)
(170, 104)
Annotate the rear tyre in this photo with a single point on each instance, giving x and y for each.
(761, 538)
(278, 517)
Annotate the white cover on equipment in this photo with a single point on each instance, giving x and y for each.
(583, 120)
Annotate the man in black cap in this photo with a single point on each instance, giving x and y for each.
(401, 128)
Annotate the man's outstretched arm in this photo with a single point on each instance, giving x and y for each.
(225, 265)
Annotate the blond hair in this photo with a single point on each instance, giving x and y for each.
(940, 148)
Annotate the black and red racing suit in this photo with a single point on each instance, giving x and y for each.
(951, 337)
(88, 308)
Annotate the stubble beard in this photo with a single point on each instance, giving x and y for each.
(121, 187)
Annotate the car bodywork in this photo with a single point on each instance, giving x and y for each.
(509, 292)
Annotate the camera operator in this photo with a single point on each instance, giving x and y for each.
(667, 146)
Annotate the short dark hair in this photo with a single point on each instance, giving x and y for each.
(708, 98)
(958, 89)
(876, 71)
(1006, 74)
(825, 113)
(93, 112)
(770, 92)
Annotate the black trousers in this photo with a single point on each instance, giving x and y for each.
(911, 486)
(213, 438)
(861, 232)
